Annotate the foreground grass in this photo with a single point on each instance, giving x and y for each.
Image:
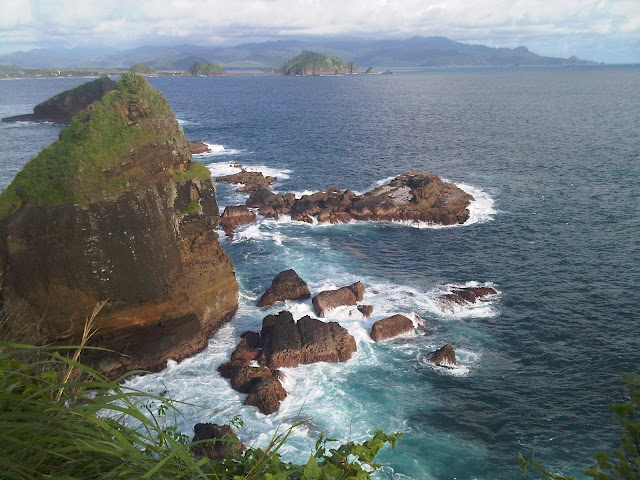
(52, 426)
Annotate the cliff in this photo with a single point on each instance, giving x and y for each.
(201, 68)
(62, 107)
(116, 211)
(312, 63)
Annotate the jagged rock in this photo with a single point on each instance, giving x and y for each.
(330, 299)
(222, 441)
(287, 285)
(62, 107)
(467, 295)
(370, 70)
(198, 147)
(233, 216)
(286, 343)
(444, 357)
(266, 393)
(244, 352)
(391, 327)
(251, 181)
(366, 310)
(81, 235)
(270, 204)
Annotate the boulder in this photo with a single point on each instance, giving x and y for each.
(245, 352)
(391, 327)
(70, 243)
(217, 441)
(198, 147)
(286, 343)
(464, 295)
(366, 310)
(444, 357)
(266, 393)
(286, 285)
(344, 296)
(251, 181)
(64, 106)
(233, 216)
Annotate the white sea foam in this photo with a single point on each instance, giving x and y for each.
(219, 169)
(481, 210)
(183, 122)
(486, 307)
(467, 360)
(217, 150)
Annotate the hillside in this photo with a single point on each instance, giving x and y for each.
(313, 63)
(201, 68)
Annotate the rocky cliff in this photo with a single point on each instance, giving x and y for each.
(116, 211)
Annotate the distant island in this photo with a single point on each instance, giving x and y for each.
(142, 69)
(313, 63)
(201, 68)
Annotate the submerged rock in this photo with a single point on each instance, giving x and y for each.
(251, 181)
(287, 285)
(116, 211)
(366, 310)
(62, 107)
(444, 357)
(391, 327)
(467, 295)
(344, 296)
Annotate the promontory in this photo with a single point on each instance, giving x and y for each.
(116, 211)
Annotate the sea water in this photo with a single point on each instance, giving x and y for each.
(552, 158)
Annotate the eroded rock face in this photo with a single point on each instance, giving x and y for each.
(414, 197)
(464, 295)
(234, 216)
(329, 299)
(62, 107)
(145, 244)
(220, 441)
(444, 357)
(391, 327)
(287, 285)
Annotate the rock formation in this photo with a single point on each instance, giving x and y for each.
(365, 310)
(234, 216)
(199, 68)
(464, 295)
(198, 147)
(62, 107)
(251, 181)
(391, 327)
(216, 441)
(116, 211)
(349, 295)
(417, 197)
(286, 285)
(444, 357)
(370, 70)
(313, 63)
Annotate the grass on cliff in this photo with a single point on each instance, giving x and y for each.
(197, 171)
(54, 427)
(75, 168)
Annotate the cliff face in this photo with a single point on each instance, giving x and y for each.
(116, 211)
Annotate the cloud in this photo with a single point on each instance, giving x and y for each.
(122, 23)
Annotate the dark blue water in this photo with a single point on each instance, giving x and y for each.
(557, 152)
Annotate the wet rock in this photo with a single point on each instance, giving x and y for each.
(444, 357)
(198, 147)
(233, 216)
(251, 181)
(366, 310)
(220, 441)
(344, 296)
(266, 393)
(286, 285)
(244, 352)
(467, 295)
(391, 327)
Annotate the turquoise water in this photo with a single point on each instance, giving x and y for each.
(553, 159)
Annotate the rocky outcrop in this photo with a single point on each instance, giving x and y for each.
(197, 148)
(313, 63)
(366, 310)
(215, 441)
(370, 70)
(286, 285)
(414, 197)
(251, 181)
(444, 357)
(234, 216)
(122, 216)
(345, 296)
(200, 69)
(62, 107)
(266, 394)
(465, 295)
(391, 327)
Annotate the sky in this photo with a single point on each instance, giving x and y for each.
(601, 30)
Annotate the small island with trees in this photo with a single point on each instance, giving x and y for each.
(313, 63)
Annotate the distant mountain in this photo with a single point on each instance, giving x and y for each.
(412, 52)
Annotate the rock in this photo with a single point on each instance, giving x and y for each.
(62, 107)
(391, 327)
(370, 70)
(266, 393)
(198, 147)
(444, 357)
(330, 299)
(388, 72)
(467, 295)
(252, 181)
(286, 285)
(286, 343)
(68, 244)
(233, 216)
(244, 352)
(270, 204)
(219, 441)
(366, 310)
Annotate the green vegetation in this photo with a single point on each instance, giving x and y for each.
(75, 169)
(197, 171)
(201, 68)
(623, 463)
(142, 69)
(62, 420)
(312, 63)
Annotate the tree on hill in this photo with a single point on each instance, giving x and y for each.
(202, 68)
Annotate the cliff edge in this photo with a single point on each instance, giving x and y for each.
(116, 211)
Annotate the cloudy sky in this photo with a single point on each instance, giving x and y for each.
(601, 30)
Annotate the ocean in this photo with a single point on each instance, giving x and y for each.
(552, 157)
